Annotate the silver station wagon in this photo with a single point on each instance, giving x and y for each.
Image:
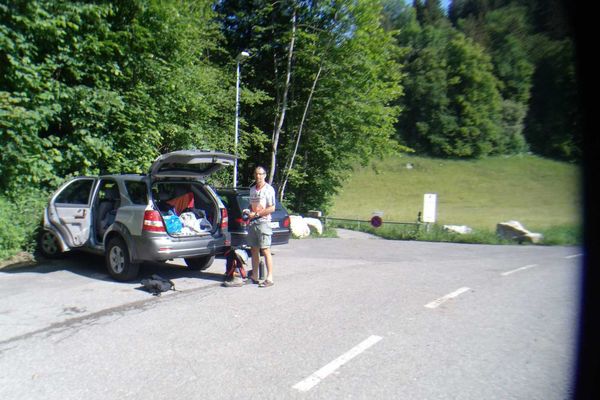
(169, 213)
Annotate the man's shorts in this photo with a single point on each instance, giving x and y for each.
(259, 234)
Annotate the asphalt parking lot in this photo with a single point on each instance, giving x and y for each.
(346, 318)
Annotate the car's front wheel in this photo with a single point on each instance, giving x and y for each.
(118, 263)
(199, 263)
(48, 244)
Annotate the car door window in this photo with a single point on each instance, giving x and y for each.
(225, 201)
(244, 202)
(76, 193)
(138, 192)
(108, 191)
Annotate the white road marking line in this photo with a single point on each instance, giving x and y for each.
(314, 379)
(574, 256)
(447, 297)
(518, 269)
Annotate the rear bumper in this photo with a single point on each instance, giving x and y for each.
(161, 247)
(238, 239)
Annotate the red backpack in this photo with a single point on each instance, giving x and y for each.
(235, 263)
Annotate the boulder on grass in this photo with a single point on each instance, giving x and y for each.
(461, 229)
(299, 227)
(513, 230)
(314, 225)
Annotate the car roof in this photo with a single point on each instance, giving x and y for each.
(111, 176)
(131, 177)
(241, 190)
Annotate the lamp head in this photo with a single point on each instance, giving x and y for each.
(242, 55)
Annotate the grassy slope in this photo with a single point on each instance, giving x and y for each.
(537, 192)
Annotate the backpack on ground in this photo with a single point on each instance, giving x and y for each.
(157, 284)
(235, 263)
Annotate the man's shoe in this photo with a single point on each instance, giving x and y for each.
(266, 283)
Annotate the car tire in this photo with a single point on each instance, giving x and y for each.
(49, 245)
(118, 264)
(199, 263)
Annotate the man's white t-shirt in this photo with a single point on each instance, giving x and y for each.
(261, 199)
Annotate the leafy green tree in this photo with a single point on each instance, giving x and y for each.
(477, 9)
(46, 76)
(107, 86)
(504, 33)
(264, 29)
(452, 102)
(429, 12)
(352, 115)
(343, 78)
(553, 123)
(531, 46)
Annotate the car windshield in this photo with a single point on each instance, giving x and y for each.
(244, 201)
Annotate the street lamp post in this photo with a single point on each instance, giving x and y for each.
(239, 59)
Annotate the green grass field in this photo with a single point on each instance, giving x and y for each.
(541, 194)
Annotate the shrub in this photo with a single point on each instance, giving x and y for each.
(20, 217)
(564, 235)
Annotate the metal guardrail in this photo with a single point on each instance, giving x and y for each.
(324, 219)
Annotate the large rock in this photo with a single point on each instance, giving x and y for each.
(299, 227)
(513, 230)
(461, 229)
(314, 225)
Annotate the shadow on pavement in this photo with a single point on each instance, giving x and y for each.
(92, 266)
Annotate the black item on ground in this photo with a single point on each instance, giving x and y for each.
(157, 284)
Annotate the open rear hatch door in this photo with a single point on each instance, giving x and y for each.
(196, 164)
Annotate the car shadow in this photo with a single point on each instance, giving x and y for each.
(93, 267)
(174, 271)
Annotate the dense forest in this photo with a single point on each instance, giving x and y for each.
(97, 86)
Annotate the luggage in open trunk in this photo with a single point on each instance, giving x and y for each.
(186, 207)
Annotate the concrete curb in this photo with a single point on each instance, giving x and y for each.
(350, 234)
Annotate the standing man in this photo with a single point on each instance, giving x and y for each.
(262, 205)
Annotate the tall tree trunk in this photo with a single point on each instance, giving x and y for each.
(290, 163)
(277, 131)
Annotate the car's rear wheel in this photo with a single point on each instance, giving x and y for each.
(117, 260)
(199, 263)
(48, 244)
